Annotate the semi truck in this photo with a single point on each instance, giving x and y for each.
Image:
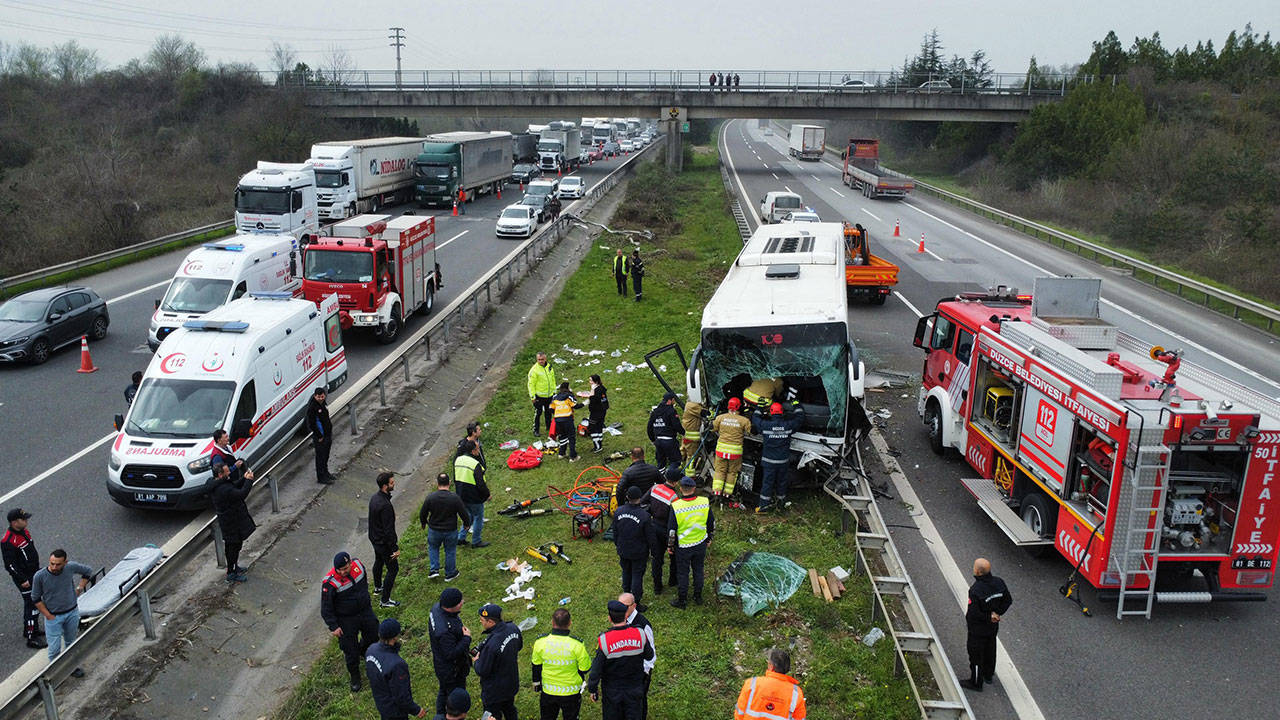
(477, 162)
(866, 275)
(1117, 454)
(807, 142)
(559, 147)
(277, 198)
(863, 172)
(602, 132)
(360, 176)
(524, 148)
(382, 269)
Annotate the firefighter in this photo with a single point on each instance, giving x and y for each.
(691, 421)
(348, 612)
(689, 529)
(663, 428)
(562, 407)
(560, 663)
(989, 600)
(730, 427)
(775, 458)
(774, 695)
(621, 652)
(761, 392)
(542, 385)
(621, 266)
(660, 497)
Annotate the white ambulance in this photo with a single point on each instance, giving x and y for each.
(218, 272)
(248, 367)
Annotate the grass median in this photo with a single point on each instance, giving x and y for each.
(705, 652)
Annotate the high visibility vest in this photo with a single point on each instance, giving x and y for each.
(542, 381)
(563, 408)
(620, 265)
(464, 469)
(561, 658)
(773, 696)
(663, 493)
(691, 520)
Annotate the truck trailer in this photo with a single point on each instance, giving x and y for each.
(477, 162)
(863, 172)
(524, 148)
(807, 142)
(360, 176)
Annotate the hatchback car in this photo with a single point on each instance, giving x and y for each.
(626, 145)
(610, 149)
(595, 153)
(572, 187)
(525, 173)
(541, 205)
(517, 221)
(34, 324)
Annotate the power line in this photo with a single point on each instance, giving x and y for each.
(147, 43)
(206, 19)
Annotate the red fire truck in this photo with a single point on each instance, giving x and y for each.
(1121, 456)
(382, 269)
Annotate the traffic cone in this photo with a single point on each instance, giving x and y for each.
(499, 191)
(896, 232)
(522, 190)
(86, 362)
(558, 173)
(455, 208)
(920, 247)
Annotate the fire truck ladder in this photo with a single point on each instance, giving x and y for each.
(1139, 516)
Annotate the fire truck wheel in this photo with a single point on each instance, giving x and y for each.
(933, 423)
(1035, 513)
(391, 330)
(430, 302)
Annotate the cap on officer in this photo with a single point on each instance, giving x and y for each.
(491, 612)
(18, 514)
(341, 559)
(389, 628)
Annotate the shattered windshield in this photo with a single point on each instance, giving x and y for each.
(812, 360)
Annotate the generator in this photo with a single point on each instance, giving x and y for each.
(587, 522)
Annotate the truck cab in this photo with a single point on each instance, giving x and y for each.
(278, 198)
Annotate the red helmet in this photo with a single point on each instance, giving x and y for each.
(775, 409)
(734, 403)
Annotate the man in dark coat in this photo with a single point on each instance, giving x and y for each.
(348, 611)
(321, 430)
(22, 563)
(386, 543)
(637, 273)
(989, 600)
(775, 457)
(450, 645)
(497, 664)
(389, 675)
(631, 535)
(639, 474)
(665, 430)
(234, 519)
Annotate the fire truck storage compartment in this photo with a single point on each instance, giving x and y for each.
(1000, 403)
(1203, 500)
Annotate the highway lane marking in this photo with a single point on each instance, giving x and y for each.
(738, 180)
(764, 163)
(815, 177)
(775, 177)
(1231, 363)
(865, 211)
(907, 302)
(788, 187)
(832, 190)
(139, 291)
(56, 468)
(455, 237)
(824, 162)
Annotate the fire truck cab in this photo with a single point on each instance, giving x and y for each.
(1122, 456)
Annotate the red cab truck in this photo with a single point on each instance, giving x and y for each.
(862, 172)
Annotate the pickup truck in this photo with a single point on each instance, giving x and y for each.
(866, 275)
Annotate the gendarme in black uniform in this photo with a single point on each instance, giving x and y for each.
(617, 672)
(345, 606)
(664, 429)
(450, 647)
(987, 595)
(22, 562)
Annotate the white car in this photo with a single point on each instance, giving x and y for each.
(767, 131)
(627, 145)
(572, 187)
(801, 216)
(517, 221)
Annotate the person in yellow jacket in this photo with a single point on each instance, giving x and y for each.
(731, 429)
(562, 407)
(774, 695)
(542, 385)
(691, 419)
(761, 393)
(560, 664)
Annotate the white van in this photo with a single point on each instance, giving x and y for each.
(778, 203)
(218, 272)
(549, 187)
(248, 367)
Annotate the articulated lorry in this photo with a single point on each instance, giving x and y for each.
(601, 132)
(559, 147)
(477, 162)
(360, 176)
(277, 198)
(524, 148)
(807, 142)
(862, 172)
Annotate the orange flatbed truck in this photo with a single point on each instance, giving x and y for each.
(866, 275)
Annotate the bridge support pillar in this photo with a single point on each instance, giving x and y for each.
(675, 146)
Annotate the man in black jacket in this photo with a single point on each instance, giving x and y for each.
(497, 664)
(474, 429)
(22, 562)
(989, 600)
(321, 430)
(638, 474)
(450, 645)
(775, 456)
(348, 611)
(234, 519)
(618, 666)
(637, 273)
(456, 706)
(386, 544)
(631, 535)
(389, 675)
(664, 427)
(636, 619)
(660, 497)
(440, 514)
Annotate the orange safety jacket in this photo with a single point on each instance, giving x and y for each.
(772, 696)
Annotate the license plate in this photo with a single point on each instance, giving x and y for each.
(150, 497)
(1243, 563)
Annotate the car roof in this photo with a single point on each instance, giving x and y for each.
(51, 292)
(517, 206)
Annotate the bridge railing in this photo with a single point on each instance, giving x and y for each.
(827, 81)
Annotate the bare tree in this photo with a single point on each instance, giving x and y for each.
(171, 56)
(31, 62)
(337, 65)
(283, 59)
(74, 63)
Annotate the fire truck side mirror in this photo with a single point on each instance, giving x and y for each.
(922, 329)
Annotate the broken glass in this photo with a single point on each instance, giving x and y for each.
(761, 580)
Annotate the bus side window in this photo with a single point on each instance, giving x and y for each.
(964, 346)
(944, 333)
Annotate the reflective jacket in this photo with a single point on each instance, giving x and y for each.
(542, 381)
(691, 522)
(775, 431)
(731, 428)
(772, 696)
(389, 681)
(468, 474)
(497, 663)
(660, 498)
(762, 392)
(621, 265)
(563, 405)
(691, 421)
(343, 597)
(560, 662)
(621, 653)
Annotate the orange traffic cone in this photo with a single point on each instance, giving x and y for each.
(522, 190)
(455, 208)
(920, 247)
(86, 362)
(558, 173)
(499, 191)
(896, 232)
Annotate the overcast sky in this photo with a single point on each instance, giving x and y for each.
(607, 34)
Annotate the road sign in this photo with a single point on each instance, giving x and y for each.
(684, 127)
(677, 114)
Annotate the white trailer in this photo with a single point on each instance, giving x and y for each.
(559, 147)
(807, 142)
(363, 176)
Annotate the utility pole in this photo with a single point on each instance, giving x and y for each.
(398, 42)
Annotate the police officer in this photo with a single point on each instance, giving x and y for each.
(456, 706)
(660, 498)
(386, 543)
(774, 695)
(389, 675)
(638, 474)
(691, 421)
(22, 562)
(617, 671)
(730, 428)
(450, 645)
(637, 273)
(348, 611)
(989, 600)
(468, 475)
(663, 428)
(497, 664)
(542, 385)
(562, 407)
(636, 619)
(560, 662)
(631, 535)
(689, 531)
(621, 266)
(775, 461)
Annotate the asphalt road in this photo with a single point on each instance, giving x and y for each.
(56, 424)
(1187, 656)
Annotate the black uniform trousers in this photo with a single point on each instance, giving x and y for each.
(691, 558)
(541, 407)
(322, 457)
(549, 706)
(567, 437)
(633, 576)
(982, 655)
(665, 453)
(446, 687)
(636, 282)
(382, 560)
(30, 615)
(358, 633)
(503, 710)
(622, 284)
(658, 555)
(627, 705)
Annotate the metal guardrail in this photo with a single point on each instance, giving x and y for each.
(25, 694)
(101, 257)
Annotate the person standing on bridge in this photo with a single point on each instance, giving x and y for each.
(989, 600)
(321, 429)
(621, 266)
(23, 562)
(637, 272)
(737, 81)
(711, 82)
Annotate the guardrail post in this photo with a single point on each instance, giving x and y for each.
(275, 492)
(404, 360)
(46, 699)
(351, 414)
(382, 392)
(218, 551)
(428, 344)
(144, 608)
